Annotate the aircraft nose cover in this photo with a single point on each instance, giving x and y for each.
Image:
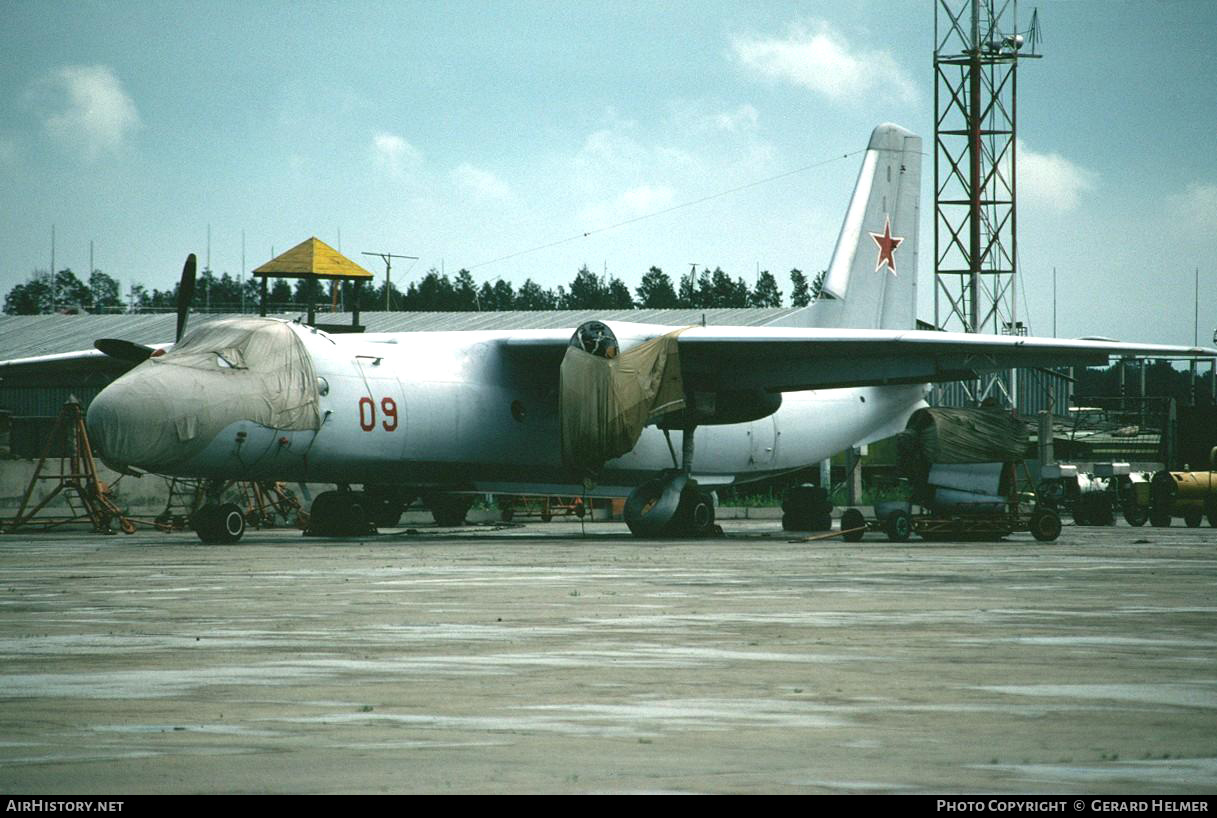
(169, 408)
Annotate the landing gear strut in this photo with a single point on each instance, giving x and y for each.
(671, 505)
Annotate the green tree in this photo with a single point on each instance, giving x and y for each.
(799, 294)
(586, 292)
(435, 293)
(532, 296)
(656, 292)
(70, 292)
(504, 295)
(139, 297)
(31, 298)
(464, 292)
(727, 293)
(618, 295)
(307, 291)
(280, 296)
(766, 293)
(817, 284)
(687, 297)
(705, 289)
(104, 292)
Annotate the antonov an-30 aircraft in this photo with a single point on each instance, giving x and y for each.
(604, 409)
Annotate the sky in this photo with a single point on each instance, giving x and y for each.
(494, 135)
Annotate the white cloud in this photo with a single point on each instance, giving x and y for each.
(1051, 181)
(743, 118)
(1195, 208)
(395, 154)
(637, 201)
(95, 115)
(821, 59)
(481, 184)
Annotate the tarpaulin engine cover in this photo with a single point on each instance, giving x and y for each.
(252, 369)
(604, 403)
(936, 435)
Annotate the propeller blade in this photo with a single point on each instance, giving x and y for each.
(124, 350)
(185, 294)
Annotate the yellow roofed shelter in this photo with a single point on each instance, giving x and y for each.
(313, 258)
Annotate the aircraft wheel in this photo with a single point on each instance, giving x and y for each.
(1045, 525)
(898, 526)
(695, 516)
(449, 510)
(653, 505)
(339, 514)
(852, 519)
(1135, 515)
(219, 524)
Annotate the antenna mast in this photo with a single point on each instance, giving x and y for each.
(977, 50)
(388, 260)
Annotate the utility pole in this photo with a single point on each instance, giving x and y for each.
(388, 257)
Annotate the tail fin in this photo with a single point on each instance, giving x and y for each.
(872, 280)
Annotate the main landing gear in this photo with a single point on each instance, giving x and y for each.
(341, 513)
(672, 505)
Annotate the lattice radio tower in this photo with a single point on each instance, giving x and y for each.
(977, 48)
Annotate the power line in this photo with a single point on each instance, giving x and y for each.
(667, 210)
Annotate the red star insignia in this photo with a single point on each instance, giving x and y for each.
(887, 246)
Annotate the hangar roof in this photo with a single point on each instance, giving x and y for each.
(23, 336)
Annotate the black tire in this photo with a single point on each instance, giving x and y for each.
(1136, 515)
(852, 519)
(795, 522)
(230, 522)
(898, 526)
(324, 515)
(1100, 511)
(204, 523)
(1193, 518)
(695, 516)
(1160, 519)
(219, 524)
(652, 506)
(1045, 525)
(448, 510)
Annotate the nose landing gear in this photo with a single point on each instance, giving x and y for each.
(219, 523)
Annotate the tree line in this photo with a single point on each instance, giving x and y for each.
(433, 292)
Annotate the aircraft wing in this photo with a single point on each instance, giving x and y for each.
(84, 361)
(786, 359)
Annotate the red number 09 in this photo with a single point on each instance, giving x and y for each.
(367, 414)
